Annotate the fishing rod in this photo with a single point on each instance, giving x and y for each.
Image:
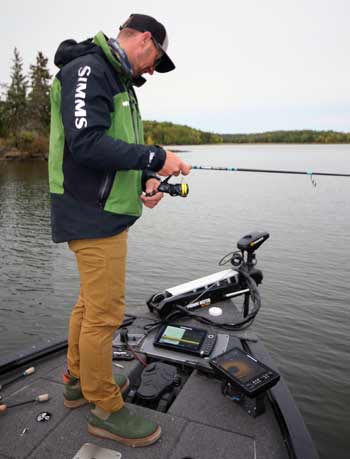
(268, 171)
(182, 189)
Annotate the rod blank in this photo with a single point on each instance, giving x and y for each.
(268, 171)
(27, 372)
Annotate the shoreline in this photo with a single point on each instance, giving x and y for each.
(13, 154)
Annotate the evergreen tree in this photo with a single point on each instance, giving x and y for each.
(39, 96)
(15, 103)
(2, 119)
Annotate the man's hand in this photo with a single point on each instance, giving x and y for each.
(174, 165)
(152, 185)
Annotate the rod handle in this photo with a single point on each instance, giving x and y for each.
(29, 371)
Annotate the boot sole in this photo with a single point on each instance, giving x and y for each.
(134, 442)
(82, 401)
(74, 403)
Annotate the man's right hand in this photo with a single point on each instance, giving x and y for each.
(174, 165)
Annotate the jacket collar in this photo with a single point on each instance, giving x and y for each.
(118, 59)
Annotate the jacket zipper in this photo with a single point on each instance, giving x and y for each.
(104, 190)
(133, 111)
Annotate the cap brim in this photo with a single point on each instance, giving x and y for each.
(165, 65)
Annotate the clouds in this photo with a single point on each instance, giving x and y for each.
(242, 65)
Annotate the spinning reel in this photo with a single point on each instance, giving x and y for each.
(174, 189)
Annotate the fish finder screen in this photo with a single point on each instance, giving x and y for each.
(240, 365)
(184, 338)
(251, 376)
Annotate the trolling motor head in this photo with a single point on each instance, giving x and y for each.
(246, 257)
(252, 241)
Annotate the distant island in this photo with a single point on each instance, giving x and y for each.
(25, 120)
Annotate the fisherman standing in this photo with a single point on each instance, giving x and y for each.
(98, 168)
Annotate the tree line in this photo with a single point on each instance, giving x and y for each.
(25, 113)
(165, 133)
(25, 118)
(302, 136)
(25, 106)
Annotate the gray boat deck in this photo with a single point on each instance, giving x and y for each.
(200, 424)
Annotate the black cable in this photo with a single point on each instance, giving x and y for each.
(182, 312)
(128, 320)
(151, 326)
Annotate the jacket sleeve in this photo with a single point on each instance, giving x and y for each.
(86, 104)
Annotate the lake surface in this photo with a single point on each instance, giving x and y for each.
(304, 321)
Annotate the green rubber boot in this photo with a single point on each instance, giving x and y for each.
(124, 427)
(73, 396)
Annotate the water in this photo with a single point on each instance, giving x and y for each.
(304, 321)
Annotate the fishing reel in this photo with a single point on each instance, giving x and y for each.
(174, 189)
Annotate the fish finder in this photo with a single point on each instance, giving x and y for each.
(248, 374)
(186, 339)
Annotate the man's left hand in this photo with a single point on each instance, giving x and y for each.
(152, 185)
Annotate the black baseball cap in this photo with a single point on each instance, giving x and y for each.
(144, 23)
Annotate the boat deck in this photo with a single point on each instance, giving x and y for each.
(200, 424)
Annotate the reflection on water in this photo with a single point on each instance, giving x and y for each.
(305, 314)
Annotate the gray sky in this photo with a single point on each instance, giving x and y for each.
(242, 65)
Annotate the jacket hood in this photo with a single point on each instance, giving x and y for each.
(70, 49)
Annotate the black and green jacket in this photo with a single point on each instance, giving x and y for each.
(97, 159)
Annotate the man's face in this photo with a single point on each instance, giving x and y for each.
(146, 56)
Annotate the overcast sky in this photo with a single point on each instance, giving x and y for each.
(242, 65)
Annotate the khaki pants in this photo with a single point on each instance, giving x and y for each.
(97, 314)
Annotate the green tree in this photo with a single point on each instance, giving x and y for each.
(2, 119)
(165, 133)
(38, 109)
(15, 103)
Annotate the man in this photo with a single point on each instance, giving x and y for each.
(98, 167)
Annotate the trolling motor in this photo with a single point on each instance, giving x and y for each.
(241, 279)
(246, 256)
(174, 189)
